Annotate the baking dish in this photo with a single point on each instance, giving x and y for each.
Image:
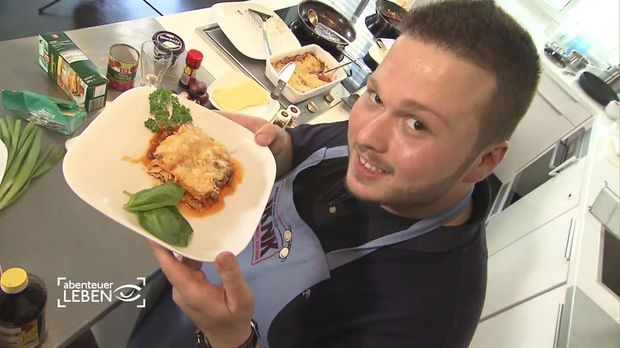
(291, 94)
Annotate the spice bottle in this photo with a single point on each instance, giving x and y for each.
(192, 63)
(22, 309)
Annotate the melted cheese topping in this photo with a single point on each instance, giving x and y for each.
(197, 162)
(305, 77)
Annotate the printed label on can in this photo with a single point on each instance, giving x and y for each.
(122, 66)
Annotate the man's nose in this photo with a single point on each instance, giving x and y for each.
(376, 133)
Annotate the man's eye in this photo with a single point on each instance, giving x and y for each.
(415, 124)
(375, 98)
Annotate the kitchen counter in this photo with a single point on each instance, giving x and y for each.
(537, 25)
(52, 233)
(49, 231)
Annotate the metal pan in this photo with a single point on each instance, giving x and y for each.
(597, 88)
(329, 17)
(387, 19)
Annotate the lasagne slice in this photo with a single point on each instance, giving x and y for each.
(195, 161)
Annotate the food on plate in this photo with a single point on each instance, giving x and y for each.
(155, 197)
(307, 75)
(188, 156)
(166, 111)
(158, 214)
(236, 91)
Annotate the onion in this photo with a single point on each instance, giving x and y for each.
(197, 89)
(203, 100)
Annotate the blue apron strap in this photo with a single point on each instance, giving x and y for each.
(340, 257)
(338, 151)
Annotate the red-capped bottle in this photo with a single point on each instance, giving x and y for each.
(192, 64)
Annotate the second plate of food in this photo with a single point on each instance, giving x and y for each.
(306, 82)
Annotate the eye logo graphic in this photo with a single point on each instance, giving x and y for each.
(98, 292)
(128, 292)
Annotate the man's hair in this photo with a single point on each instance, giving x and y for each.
(480, 31)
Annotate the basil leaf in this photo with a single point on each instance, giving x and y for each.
(166, 224)
(168, 194)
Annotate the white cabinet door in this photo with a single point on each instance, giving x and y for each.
(563, 101)
(532, 265)
(550, 200)
(541, 127)
(532, 324)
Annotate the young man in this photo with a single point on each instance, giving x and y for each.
(378, 221)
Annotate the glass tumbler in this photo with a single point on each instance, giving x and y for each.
(154, 62)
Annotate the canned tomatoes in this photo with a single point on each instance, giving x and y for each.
(122, 66)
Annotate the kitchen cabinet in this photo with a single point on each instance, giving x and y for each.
(530, 266)
(562, 100)
(541, 127)
(554, 112)
(548, 201)
(534, 323)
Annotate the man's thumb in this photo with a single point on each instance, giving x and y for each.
(237, 290)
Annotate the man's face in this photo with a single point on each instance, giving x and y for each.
(412, 134)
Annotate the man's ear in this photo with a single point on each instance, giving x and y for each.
(486, 162)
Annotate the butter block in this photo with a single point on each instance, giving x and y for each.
(235, 91)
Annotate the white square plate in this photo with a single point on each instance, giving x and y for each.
(244, 29)
(98, 168)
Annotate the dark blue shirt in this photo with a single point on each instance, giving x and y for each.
(425, 292)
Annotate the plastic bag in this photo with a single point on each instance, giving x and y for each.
(60, 115)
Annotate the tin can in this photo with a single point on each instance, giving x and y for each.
(122, 66)
(170, 41)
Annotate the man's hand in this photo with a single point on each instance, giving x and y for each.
(267, 134)
(222, 312)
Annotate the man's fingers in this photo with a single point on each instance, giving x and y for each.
(237, 290)
(193, 264)
(181, 275)
(266, 134)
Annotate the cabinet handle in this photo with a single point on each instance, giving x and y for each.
(557, 111)
(569, 242)
(558, 322)
(563, 166)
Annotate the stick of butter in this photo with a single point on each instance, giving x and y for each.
(235, 91)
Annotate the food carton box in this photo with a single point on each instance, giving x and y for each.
(72, 71)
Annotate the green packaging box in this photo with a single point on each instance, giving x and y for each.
(72, 71)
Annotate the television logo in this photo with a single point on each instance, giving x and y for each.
(99, 292)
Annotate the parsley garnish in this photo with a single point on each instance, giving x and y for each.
(166, 111)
